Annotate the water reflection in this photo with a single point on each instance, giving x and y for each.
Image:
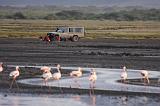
(124, 100)
(91, 99)
(77, 97)
(77, 100)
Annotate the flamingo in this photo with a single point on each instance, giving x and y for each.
(1, 67)
(145, 74)
(124, 74)
(92, 79)
(57, 75)
(46, 74)
(76, 74)
(14, 75)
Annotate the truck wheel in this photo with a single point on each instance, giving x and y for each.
(75, 38)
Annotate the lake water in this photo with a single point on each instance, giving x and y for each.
(9, 99)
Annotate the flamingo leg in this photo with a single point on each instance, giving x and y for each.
(147, 80)
(144, 80)
(94, 84)
(49, 88)
(123, 85)
(47, 84)
(60, 87)
(16, 84)
(11, 83)
(91, 88)
(45, 81)
(42, 83)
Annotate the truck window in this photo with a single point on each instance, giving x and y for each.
(78, 29)
(71, 30)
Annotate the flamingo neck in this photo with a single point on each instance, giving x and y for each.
(17, 69)
(79, 70)
(94, 73)
(58, 69)
(124, 69)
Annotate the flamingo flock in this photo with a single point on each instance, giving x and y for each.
(47, 74)
(144, 74)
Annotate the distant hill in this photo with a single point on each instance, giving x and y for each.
(54, 9)
(53, 12)
(119, 3)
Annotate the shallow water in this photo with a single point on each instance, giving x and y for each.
(106, 80)
(76, 100)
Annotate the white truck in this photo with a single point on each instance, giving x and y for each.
(64, 33)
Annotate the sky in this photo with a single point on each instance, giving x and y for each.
(144, 3)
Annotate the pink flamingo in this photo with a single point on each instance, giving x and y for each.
(46, 74)
(145, 74)
(14, 75)
(124, 74)
(76, 74)
(92, 79)
(57, 76)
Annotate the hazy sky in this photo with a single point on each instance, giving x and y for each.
(147, 3)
